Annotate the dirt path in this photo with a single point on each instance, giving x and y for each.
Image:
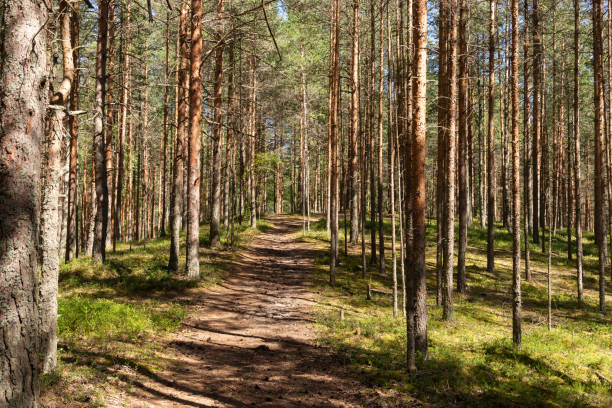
(250, 340)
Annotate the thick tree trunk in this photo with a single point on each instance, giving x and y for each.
(195, 114)
(101, 217)
(516, 201)
(417, 332)
(20, 140)
(182, 126)
(449, 199)
(50, 224)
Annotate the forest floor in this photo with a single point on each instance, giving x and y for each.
(133, 335)
(263, 328)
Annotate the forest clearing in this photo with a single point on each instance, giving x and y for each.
(305, 203)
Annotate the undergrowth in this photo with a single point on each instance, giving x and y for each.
(115, 318)
(471, 361)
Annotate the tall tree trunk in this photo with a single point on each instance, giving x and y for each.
(599, 146)
(117, 230)
(195, 114)
(491, 184)
(449, 199)
(182, 126)
(577, 154)
(463, 130)
(50, 224)
(166, 128)
(369, 168)
(20, 164)
(71, 223)
(527, 219)
(353, 171)
(334, 79)
(417, 332)
(381, 74)
(391, 135)
(215, 219)
(516, 198)
(229, 137)
(537, 125)
(110, 117)
(252, 134)
(442, 146)
(101, 217)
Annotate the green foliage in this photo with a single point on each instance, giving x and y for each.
(106, 318)
(472, 362)
(266, 162)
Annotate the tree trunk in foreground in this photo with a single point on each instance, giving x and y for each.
(417, 332)
(22, 117)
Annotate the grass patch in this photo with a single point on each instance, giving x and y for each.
(472, 362)
(116, 318)
(106, 318)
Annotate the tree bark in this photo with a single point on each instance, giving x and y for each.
(381, 74)
(449, 199)
(599, 146)
(463, 130)
(195, 114)
(71, 223)
(22, 124)
(215, 219)
(577, 154)
(417, 333)
(527, 219)
(334, 79)
(101, 217)
(537, 126)
(49, 218)
(182, 126)
(491, 184)
(353, 170)
(166, 128)
(516, 199)
(117, 230)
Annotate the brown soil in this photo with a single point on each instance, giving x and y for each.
(250, 340)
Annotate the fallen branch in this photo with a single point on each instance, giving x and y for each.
(603, 378)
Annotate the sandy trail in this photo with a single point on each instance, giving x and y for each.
(250, 341)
